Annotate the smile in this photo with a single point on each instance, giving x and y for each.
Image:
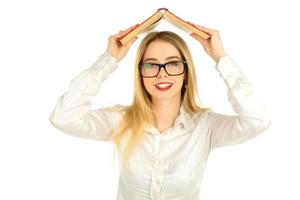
(163, 86)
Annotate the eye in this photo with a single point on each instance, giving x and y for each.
(148, 65)
(174, 63)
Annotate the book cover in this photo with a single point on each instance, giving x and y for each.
(161, 13)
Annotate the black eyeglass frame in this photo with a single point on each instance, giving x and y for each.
(164, 66)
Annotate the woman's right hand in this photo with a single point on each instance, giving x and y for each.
(116, 49)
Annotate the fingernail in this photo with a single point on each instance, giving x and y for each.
(134, 26)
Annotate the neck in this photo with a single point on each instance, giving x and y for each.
(166, 110)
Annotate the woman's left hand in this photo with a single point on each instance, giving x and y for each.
(213, 46)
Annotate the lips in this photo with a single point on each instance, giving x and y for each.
(163, 86)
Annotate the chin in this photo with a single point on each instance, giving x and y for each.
(166, 96)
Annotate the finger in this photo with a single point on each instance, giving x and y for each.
(203, 41)
(207, 30)
(202, 28)
(133, 26)
(200, 39)
(121, 33)
(124, 32)
(194, 35)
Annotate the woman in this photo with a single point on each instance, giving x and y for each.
(165, 135)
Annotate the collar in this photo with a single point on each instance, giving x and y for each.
(184, 119)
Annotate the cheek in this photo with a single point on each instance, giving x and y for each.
(147, 84)
(179, 82)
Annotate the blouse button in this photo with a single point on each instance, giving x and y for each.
(157, 180)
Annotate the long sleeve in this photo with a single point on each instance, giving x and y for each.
(72, 113)
(252, 115)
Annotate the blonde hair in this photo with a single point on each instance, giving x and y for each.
(140, 113)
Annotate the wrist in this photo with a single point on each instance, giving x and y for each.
(112, 57)
(219, 56)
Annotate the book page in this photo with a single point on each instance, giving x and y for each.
(176, 21)
(152, 24)
(184, 25)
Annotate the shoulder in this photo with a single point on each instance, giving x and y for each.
(117, 109)
(202, 115)
(113, 111)
(207, 116)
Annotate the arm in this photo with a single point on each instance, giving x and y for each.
(72, 113)
(252, 118)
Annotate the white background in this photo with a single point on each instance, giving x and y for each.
(44, 44)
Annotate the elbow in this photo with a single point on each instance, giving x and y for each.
(57, 123)
(265, 120)
(53, 119)
(267, 123)
(59, 118)
(256, 125)
(262, 125)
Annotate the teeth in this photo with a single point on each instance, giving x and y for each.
(163, 85)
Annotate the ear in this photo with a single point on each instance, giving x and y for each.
(186, 75)
(185, 81)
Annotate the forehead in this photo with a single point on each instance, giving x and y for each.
(160, 50)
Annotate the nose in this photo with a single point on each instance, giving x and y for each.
(162, 72)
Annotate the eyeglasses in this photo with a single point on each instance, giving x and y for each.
(173, 68)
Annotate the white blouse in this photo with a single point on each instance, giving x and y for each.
(168, 165)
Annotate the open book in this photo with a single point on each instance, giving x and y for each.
(161, 13)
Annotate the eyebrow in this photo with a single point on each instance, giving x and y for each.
(168, 58)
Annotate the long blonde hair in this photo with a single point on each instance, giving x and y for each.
(140, 113)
